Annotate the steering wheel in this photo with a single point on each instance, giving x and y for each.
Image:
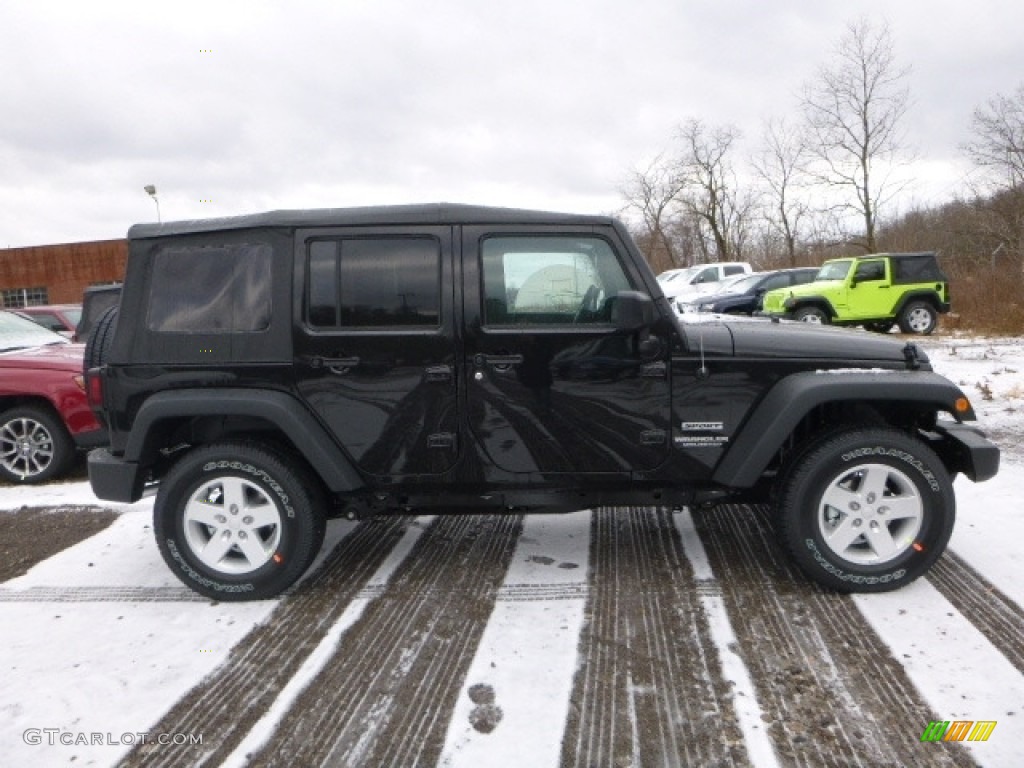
(589, 303)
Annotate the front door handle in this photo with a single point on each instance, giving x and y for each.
(439, 373)
(498, 361)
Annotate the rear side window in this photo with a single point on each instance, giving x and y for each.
(919, 268)
(211, 289)
(374, 283)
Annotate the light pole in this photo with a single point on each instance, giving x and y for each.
(151, 191)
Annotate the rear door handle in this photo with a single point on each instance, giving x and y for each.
(334, 364)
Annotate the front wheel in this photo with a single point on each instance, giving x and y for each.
(238, 521)
(814, 315)
(866, 510)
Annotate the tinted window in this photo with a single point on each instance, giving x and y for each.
(775, 281)
(919, 268)
(214, 289)
(799, 278)
(550, 280)
(734, 270)
(374, 282)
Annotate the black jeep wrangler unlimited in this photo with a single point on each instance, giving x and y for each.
(273, 370)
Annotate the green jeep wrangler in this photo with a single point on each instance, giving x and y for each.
(874, 291)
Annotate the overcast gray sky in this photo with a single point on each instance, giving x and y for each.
(237, 107)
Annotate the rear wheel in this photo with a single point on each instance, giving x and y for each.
(918, 317)
(813, 315)
(239, 521)
(866, 510)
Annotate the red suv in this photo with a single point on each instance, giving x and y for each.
(44, 416)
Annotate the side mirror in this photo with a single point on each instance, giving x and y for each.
(632, 311)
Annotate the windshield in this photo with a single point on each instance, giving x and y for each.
(834, 270)
(668, 277)
(742, 284)
(18, 332)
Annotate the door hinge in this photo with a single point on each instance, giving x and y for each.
(441, 440)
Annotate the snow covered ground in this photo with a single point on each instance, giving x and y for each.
(98, 642)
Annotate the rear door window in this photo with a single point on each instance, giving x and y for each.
(374, 282)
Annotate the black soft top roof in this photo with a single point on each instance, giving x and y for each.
(434, 213)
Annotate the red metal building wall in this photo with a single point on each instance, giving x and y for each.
(64, 270)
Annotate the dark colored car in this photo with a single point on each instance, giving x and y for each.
(44, 415)
(744, 296)
(96, 300)
(267, 372)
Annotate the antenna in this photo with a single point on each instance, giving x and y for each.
(702, 372)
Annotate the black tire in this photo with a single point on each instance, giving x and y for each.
(97, 348)
(879, 326)
(249, 560)
(813, 315)
(34, 445)
(866, 510)
(918, 317)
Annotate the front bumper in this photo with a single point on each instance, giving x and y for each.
(966, 449)
(114, 479)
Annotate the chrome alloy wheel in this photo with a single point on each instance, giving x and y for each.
(870, 514)
(26, 447)
(232, 525)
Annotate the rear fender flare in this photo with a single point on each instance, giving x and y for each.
(279, 408)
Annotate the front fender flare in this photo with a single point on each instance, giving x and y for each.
(773, 420)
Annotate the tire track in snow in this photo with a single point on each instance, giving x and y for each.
(991, 612)
(514, 700)
(224, 705)
(387, 693)
(830, 688)
(649, 690)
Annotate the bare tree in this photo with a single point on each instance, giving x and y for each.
(854, 110)
(654, 194)
(998, 143)
(781, 166)
(997, 147)
(709, 189)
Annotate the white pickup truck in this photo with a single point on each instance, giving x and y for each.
(700, 279)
